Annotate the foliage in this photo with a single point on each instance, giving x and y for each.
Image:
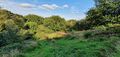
(105, 12)
(16, 49)
(56, 35)
(73, 48)
(88, 34)
(71, 25)
(55, 23)
(10, 34)
(34, 18)
(42, 31)
(31, 26)
(115, 29)
(104, 31)
(83, 25)
(6, 15)
(102, 27)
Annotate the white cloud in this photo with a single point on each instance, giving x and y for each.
(49, 7)
(2, 1)
(43, 6)
(26, 5)
(52, 6)
(65, 6)
(75, 10)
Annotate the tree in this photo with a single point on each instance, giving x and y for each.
(42, 31)
(99, 2)
(70, 24)
(7, 15)
(9, 35)
(34, 18)
(31, 27)
(105, 12)
(10, 25)
(55, 23)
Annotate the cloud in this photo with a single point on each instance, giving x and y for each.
(26, 5)
(52, 6)
(75, 10)
(43, 6)
(3, 1)
(65, 6)
(49, 7)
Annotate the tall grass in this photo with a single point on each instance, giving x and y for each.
(74, 48)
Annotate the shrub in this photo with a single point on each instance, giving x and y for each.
(56, 35)
(17, 49)
(29, 45)
(10, 34)
(11, 50)
(100, 27)
(115, 28)
(31, 27)
(88, 34)
(25, 34)
(42, 31)
(110, 30)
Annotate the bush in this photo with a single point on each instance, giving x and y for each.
(114, 29)
(88, 34)
(108, 30)
(31, 27)
(29, 45)
(100, 27)
(17, 49)
(12, 50)
(42, 31)
(56, 35)
(10, 34)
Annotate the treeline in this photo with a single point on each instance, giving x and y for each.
(15, 28)
(104, 13)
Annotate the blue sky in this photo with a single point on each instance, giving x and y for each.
(69, 9)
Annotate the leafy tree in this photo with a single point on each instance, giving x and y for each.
(106, 11)
(42, 31)
(70, 24)
(6, 15)
(9, 35)
(31, 27)
(83, 25)
(10, 25)
(34, 18)
(55, 23)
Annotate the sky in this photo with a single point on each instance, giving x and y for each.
(69, 9)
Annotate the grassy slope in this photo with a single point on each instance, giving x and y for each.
(73, 48)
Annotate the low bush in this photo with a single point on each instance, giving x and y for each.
(88, 34)
(17, 49)
(12, 50)
(10, 33)
(102, 27)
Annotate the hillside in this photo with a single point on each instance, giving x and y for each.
(7, 15)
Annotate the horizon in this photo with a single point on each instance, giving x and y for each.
(65, 9)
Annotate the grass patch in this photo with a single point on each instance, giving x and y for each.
(72, 48)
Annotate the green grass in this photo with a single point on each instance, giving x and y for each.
(73, 48)
(73, 45)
